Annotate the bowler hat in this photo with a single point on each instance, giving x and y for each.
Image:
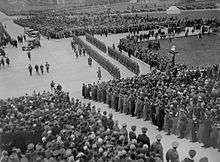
(144, 129)
(192, 153)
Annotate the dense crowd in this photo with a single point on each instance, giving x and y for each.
(180, 101)
(55, 25)
(145, 53)
(51, 126)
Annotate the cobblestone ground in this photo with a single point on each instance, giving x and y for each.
(71, 73)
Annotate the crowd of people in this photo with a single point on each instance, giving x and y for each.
(55, 25)
(52, 126)
(145, 53)
(181, 101)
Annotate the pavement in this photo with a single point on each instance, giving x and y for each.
(71, 73)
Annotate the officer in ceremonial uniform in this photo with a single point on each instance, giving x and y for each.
(157, 147)
(143, 138)
(172, 154)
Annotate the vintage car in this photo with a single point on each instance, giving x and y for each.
(31, 33)
(31, 44)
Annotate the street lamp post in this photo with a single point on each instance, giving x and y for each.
(173, 51)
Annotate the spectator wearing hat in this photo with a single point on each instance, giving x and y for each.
(157, 147)
(172, 154)
(132, 134)
(14, 156)
(143, 138)
(192, 154)
(30, 153)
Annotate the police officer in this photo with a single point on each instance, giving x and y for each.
(42, 69)
(30, 69)
(47, 65)
(36, 68)
(7, 61)
(143, 138)
(157, 147)
(192, 154)
(172, 154)
(2, 62)
(84, 52)
(29, 55)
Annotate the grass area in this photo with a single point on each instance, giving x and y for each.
(194, 51)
